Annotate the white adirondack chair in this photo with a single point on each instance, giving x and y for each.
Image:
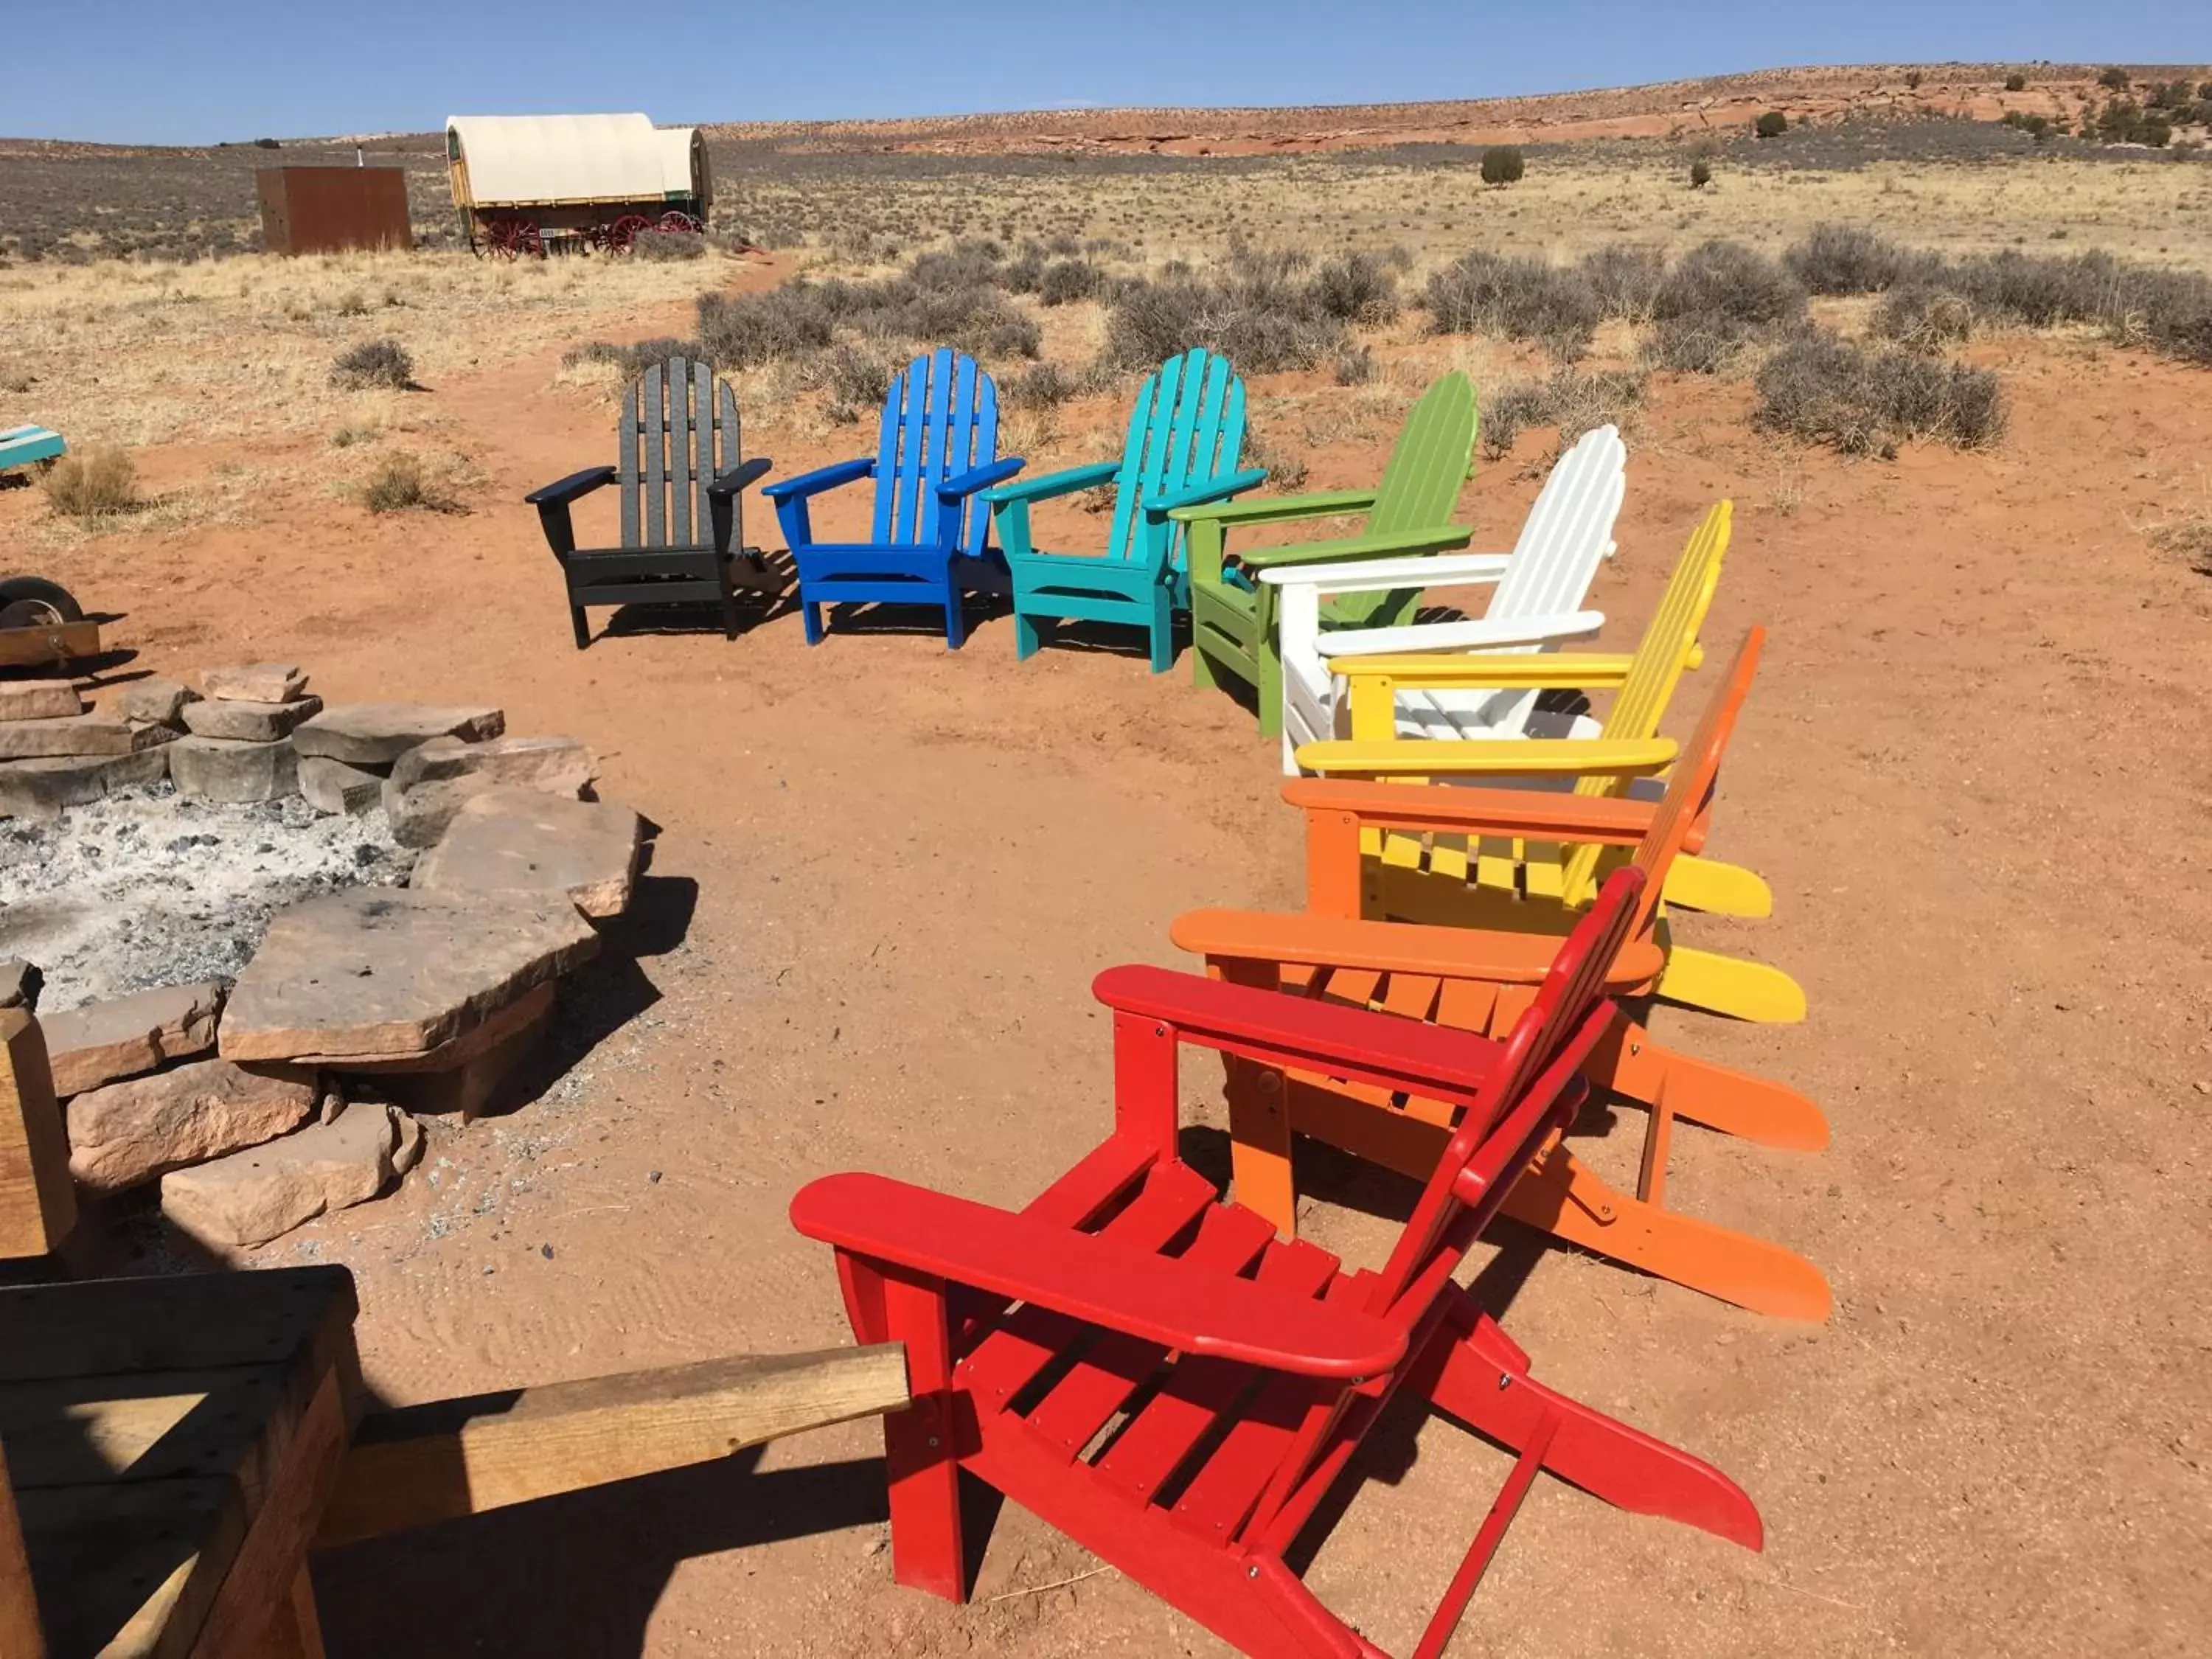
(1540, 585)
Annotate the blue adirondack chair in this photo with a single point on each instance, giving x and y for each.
(1185, 434)
(938, 451)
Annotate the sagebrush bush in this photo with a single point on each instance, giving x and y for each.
(1357, 287)
(1041, 386)
(1503, 164)
(2016, 81)
(1821, 388)
(661, 245)
(373, 363)
(1835, 258)
(1701, 174)
(1260, 315)
(1354, 367)
(1728, 282)
(1772, 124)
(1067, 281)
(1693, 345)
(395, 484)
(1923, 317)
(1574, 400)
(1482, 292)
(1626, 278)
(92, 486)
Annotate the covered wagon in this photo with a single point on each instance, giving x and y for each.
(526, 183)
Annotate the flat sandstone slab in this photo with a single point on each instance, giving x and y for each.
(41, 789)
(77, 734)
(524, 841)
(385, 973)
(378, 733)
(39, 700)
(251, 1197)
(562, 765)
(248, 722)
(128, 1133)
(158, 700)
(332, 787)
(255, 682)
(104, 1041)
(218, 769)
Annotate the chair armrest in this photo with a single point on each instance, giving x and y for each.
(1394, 947)
(743, 476)
(1441, 539)
(575, 484)
(821, 478)
(1208, 490)
(965, 484)
(1047, 485)
(1158, 1298)
(1481, 633)
(1279, 509)
(1563, 757)
(1568, 671)
(1294, 1033)
(1538, 814)
(1363, 576)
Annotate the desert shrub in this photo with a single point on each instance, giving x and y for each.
(1354, 366)
(1923, 317)
(1042, 386)
(744, 330)
(1912, 79)
(855, 377)
(1572, 399)
(1701, 174)
(1626, 279)
(663, 245)
(1728, 282)
(373, 362)
(1258, 315)
(1835, 258)
(351, 303)
(1772, 124)
(1067, 281)
(1482, 292)
(2016, 81)
(1357, 287)
(632, 360)
(1693, 345)
(1503, 164)
(395, 484)
(2115, 79)
(1024, 272)
(2037, 127)
(95, 485)
(1821, 388)
(267, 143)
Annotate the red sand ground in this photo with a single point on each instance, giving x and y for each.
(1974, 769)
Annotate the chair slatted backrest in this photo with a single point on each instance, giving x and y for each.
(1539, 1071)
(1434, 456)
(1188, 426)
(1662, 657)
(940, 419)
(1567, 533)
(679, 429)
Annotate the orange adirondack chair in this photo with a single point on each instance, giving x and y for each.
(1151, 1370)
(1481, 981)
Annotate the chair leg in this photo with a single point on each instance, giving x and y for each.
(1563, 1197)
(811, 617)
(1163, 631)
(580, 624)
(955, 620)
(729, 612)
(1202, 669)
(1028, 638)
(1485, 1383)
(1260, 1146)
(1269, 689)
(920, 1453)
(1629, 1063)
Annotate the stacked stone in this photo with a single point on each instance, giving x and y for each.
(240, 748)
(55, 755)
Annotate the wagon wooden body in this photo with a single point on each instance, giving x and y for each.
(534, 184)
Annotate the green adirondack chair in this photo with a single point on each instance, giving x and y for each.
(1186, 431)
(1233, 621)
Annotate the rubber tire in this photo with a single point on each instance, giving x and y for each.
(15, 590)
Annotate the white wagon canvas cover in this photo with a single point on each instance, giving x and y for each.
(545, 160)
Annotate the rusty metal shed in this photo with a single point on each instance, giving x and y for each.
(326, 209)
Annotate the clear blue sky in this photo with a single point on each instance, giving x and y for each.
(194, 72)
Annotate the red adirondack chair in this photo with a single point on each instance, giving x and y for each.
(1149, 1369)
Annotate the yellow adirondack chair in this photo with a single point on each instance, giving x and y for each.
(1510, 885)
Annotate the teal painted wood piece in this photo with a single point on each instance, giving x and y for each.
(1234, 617)
(20, 445)
(1185, 435)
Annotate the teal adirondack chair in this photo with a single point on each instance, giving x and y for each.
(1233, 615)
(1186, 431)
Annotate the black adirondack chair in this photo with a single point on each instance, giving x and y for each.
(683, 523)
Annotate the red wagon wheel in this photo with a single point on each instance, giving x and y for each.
(510, 238)
(625, 232)
(675, 221)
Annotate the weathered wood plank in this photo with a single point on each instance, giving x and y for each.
(38, 1200)
(454, 1457)
(115, 1325)
(19, 1602)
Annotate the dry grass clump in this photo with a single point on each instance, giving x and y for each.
(1821, 388)
(1574, 400)
(98, 484)
(662, 245)
(1486, 293)
(1923, 317)
(400, 483)
(373, 363)
(629, 362)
